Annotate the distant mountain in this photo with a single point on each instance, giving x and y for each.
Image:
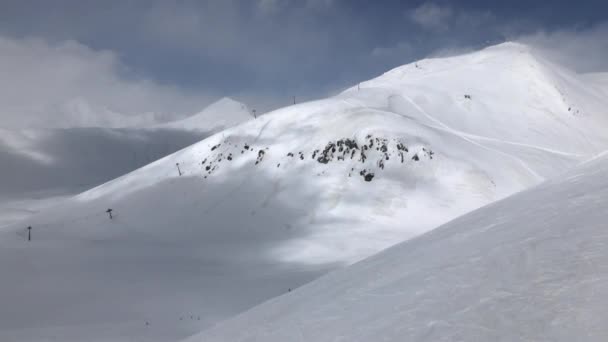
(36, 164)
(221, 114)
(273, 203)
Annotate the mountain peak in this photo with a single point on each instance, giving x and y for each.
(226, 101)
(222, 113)
(500, 54)
(508, 45)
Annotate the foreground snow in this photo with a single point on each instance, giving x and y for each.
(533, 267)
(271, 204)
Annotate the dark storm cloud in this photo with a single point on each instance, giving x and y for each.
(265, 51)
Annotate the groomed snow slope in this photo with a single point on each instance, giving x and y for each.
(533, 267)
(273, 203)
(221, 114)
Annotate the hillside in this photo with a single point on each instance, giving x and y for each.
(532, 267)
(271, 204)
(37, 165)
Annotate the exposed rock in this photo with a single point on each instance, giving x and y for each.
(261, 154)
(363, 157)
(402, 147)
(377, 148)
(368, 176)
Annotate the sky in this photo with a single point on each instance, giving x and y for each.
(75, 63)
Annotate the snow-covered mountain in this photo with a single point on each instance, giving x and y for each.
(39, 164)
(221, 114)
(273, 203)
(532, 267)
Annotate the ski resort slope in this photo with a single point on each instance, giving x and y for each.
(271, 204)
(533, 267)
(221, 114)
(514, 93)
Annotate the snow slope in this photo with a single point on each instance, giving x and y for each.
(40, 164)
(276, 202)
(533, 267)
(221, 114)
(600, 79)
(37, 165)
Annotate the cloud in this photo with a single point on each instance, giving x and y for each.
(68, 84)
(581, 49)
(431, 16)
(71, 160)
(441, 18)
(260, 51)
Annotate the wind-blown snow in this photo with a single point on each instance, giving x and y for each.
(275, 202)
(533, 267)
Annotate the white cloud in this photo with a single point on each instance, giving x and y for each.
(67, 84)
(439, 18)
(584, 50)
(431, 16)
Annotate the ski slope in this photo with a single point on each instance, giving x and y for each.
(533, 267)
(273, 203)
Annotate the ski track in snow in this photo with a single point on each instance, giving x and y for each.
(468, 137)
(463, 136)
